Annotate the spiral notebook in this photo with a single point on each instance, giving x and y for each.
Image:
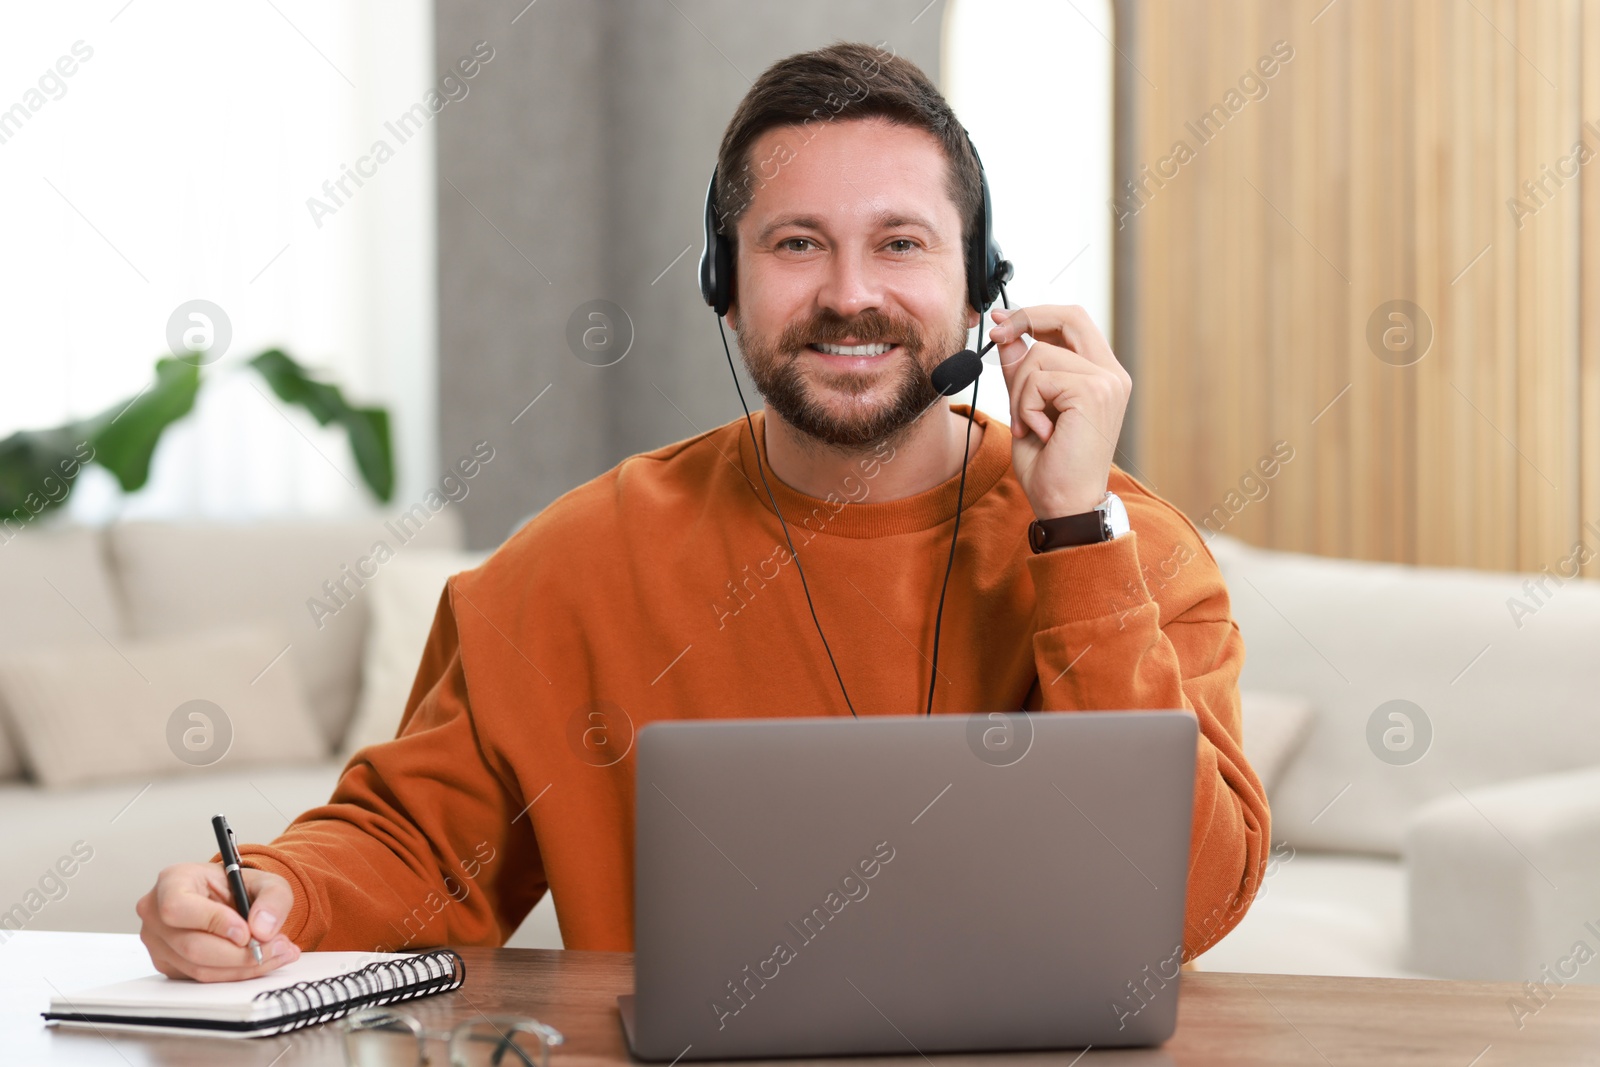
(313, 989)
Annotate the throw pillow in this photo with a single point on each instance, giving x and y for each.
(87, 713)
(1275, 724)
(404, 597)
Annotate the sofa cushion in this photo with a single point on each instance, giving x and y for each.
(1505, 881)
(116, 838)
(306, 578)
(1320, 913)
(79, 859)
(56, 588)
(87, 713)
(1506, 680)
(405, 596)
(1275, 724)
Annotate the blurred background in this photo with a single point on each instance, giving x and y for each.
(1347, 249)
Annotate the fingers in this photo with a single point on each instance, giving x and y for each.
(1043, 357)
(1069, 327)
(189, 900)
(174, 964)
(1065, 340)
(199, 950)
(1063, 391)
(1012, 355)
(270, 901)
(191, 929)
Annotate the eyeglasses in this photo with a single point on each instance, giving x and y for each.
(385, 1037)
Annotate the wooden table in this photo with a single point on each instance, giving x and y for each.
(1237, 1020)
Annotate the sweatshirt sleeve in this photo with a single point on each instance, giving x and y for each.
(421, 844)
(1143, 622)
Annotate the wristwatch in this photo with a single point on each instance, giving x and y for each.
(1108, 520)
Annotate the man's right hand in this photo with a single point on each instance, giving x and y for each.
(191, 929)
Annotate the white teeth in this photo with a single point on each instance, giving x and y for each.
(856, 350)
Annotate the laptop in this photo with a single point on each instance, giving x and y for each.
(825, 886)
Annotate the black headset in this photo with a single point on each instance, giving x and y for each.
(987, 274)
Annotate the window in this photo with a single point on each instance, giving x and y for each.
(176, 161)
(1032, 82)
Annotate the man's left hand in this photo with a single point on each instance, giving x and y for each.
(1068, 396)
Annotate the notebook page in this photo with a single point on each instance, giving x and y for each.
(156, 995)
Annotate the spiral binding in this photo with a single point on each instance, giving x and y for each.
(384, 982)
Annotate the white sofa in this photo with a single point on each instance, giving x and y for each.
(93, 588)
(1481, 858)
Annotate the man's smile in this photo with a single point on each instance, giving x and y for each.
(853, 355)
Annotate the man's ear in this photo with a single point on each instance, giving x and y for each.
(733, 317)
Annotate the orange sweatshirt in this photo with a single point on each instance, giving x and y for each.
(663, 590)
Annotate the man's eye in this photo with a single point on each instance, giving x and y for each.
(910, 245)
(789, 243)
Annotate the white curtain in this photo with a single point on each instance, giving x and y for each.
(174, 162)
(1032, 82)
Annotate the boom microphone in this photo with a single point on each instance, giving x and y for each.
(957, 372)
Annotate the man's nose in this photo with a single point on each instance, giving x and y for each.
(850, 284)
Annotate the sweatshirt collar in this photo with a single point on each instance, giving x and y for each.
(854, 512)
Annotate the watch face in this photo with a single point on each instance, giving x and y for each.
(1116, 516)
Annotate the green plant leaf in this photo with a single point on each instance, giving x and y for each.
(367, 428)
(39, 467)
(125, 436)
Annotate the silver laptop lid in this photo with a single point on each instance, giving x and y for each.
(902, 885)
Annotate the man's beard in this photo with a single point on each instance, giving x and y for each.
(777, 368)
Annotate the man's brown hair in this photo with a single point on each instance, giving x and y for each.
(842, 82)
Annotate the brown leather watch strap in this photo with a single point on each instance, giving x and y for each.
(1087, 529)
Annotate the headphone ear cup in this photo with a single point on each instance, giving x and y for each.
(708, 281)
(716, 274)
(716, 257)
(986, 268)
(723, 292)
(977, 272)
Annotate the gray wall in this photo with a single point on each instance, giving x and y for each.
(581, 156)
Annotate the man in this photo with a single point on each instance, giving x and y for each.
(665, 589)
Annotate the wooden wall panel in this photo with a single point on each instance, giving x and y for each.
(1589, 286)
(1381, 164)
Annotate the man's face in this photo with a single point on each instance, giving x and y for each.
(854, 242)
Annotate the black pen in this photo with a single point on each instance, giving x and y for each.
(230, 864)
